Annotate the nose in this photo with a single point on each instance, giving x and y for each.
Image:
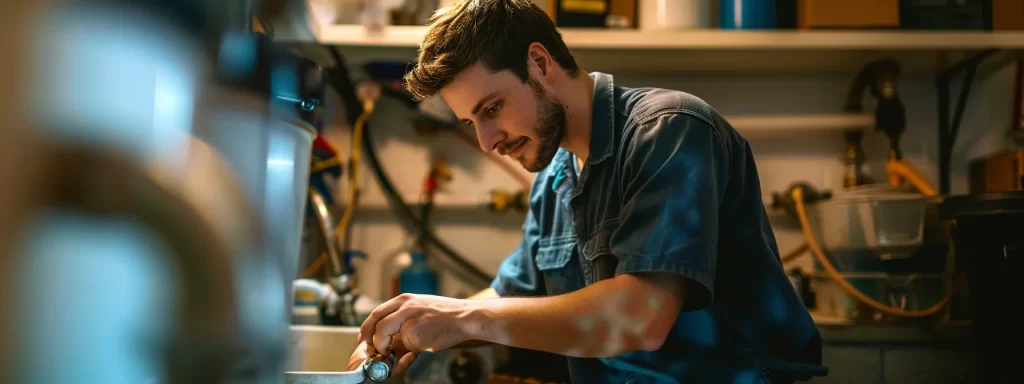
(489, 137)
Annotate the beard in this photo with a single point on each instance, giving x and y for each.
(549, 128)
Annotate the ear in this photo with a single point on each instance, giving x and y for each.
(539, 61)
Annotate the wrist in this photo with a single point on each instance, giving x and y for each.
(477, 320)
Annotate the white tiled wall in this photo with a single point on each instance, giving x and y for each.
(487, 238)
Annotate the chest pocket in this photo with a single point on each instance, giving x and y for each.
(557, 260)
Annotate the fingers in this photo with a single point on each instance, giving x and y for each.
(398, 345)
(361, 353)
(370, 350)
(369, 327)
(404, 363)
(388, 326)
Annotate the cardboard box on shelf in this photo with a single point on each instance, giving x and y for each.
(814, 14)
(591, 13)
(1008, 15)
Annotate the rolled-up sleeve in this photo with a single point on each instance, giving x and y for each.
(518, 274)
(674, 172)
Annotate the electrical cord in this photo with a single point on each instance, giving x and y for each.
(342, 83)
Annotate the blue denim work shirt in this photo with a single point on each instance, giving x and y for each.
(669, 186)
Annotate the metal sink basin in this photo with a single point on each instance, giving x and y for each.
(319, 355)
(321, 349)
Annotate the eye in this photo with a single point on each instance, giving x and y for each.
(493, 109)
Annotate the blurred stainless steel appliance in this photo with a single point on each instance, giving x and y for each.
(167, 131)
(990, 249)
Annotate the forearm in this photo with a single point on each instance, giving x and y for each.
(488, 293)
(485, 294)
(609, 318)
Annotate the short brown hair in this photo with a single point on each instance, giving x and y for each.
(495, 32)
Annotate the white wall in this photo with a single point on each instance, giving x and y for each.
(487, 238)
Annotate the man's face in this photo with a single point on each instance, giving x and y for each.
(522, 121)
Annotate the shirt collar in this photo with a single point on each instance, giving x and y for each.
(601, 133)
(602, 118)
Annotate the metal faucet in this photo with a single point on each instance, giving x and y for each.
(338, 307)
(326, 225)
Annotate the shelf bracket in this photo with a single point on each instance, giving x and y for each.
(949, 127)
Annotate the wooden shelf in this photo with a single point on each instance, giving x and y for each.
(715, 50)
(582, 38)
(773, 125)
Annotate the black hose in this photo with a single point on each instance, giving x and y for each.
(342, 82)
(425, 210)
(405, 214)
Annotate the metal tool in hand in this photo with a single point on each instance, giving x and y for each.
(378, 371)
(371, 370)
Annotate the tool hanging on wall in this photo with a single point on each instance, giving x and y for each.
(501, 200)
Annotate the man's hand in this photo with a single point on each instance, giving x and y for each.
(418, 323)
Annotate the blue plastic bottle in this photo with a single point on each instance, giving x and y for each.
(418, 277)
(748, 14)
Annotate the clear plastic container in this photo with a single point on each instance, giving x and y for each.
(889, 224)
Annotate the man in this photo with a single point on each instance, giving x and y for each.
(647, 255)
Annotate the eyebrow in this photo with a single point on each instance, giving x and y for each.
(480, 104)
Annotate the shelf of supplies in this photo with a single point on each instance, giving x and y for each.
(585, 38)
(770, 125)
(717, 50)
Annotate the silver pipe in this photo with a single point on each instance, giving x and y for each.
(326, 223)
(203, 230)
